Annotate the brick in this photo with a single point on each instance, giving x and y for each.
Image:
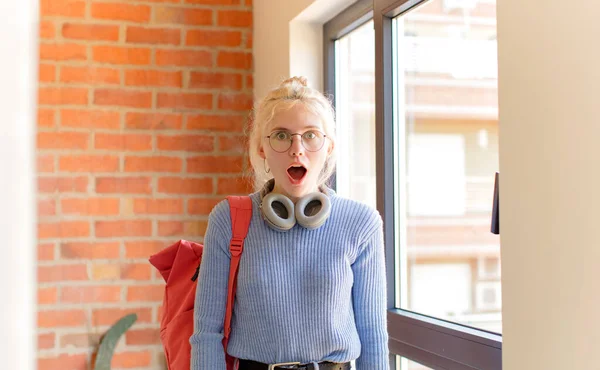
(90, 206)
(63, 140)
(145, 293)
(48, 295)
(62, 184)
(62, 8)
(89, 251)
(221, 123)
(46, 341)
(176, 185)
(158, 206)
(136, 271)
(90, 294)
(88, 163)
(121, 12)
(63, 362)
(62, 273)
(185, 16)
(121, 55)
(47, 73)
(240, 185)
(90, 119)
(153, 121)
(184, 100)
(184, 58)
(188, 143)
(63, 229)
(187, 228)
(130, 359)
(61, 318)
(208, 80)
(45, 163)
(249, 40)
(63, 52)
(234, 18)
(120, 228)
(123, 98)
(236, 144)
(45, 252)
(141, 337)
(146, 35)
(143, 248)
(107, 316)
(214, 164)
(213, 38)
(153, 78)
(249, 82)
(123, 142)
(46, 118)
(248, 2)
(46, 207)
(90, 75)
(79, 340)
(201, 206)
(106, 271)
(232, 101)
(213, 2)
(63, 96)
(123, 185)
(234, 59)
(153, 164)
(94, 32)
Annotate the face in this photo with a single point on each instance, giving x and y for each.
(295, 169)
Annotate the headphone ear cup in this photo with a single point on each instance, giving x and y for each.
(278, 211)
(313, 210)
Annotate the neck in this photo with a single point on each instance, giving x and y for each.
(272, 187)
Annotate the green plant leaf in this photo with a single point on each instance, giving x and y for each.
(109, 341)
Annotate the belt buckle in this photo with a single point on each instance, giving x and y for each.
(273, 366)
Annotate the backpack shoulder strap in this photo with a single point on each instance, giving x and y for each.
(241, 213)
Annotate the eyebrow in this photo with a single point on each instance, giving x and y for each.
(285, 129)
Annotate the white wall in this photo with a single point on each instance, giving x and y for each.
(288, 40)
(19, 24)
(549, 89)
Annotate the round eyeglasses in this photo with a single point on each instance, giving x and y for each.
(281, 140)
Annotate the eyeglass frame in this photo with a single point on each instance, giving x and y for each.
(301, 141)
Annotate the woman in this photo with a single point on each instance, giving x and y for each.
(311, 284)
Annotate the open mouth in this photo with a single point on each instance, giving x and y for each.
(296, 173)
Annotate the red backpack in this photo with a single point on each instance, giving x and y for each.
(179, 265)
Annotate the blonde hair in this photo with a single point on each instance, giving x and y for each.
(290, 92)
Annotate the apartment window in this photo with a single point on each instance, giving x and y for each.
(426, 145)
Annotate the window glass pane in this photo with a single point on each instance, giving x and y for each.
(446, 153)
(355, 110)
(402, 363)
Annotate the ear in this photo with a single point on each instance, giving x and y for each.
(261, 152)
(330, 148)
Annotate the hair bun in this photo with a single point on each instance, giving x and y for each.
(296, 79)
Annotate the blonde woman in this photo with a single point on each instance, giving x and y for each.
(311, 284)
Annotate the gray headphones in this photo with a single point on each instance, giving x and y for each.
(281, 214)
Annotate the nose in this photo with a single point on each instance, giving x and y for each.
(297, 149)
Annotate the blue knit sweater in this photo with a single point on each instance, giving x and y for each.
(302, 295)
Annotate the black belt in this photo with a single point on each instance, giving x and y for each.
(325, 365)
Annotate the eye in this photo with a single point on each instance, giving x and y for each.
(281, 135)
(310, 135)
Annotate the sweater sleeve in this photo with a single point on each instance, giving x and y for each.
(369, 301)
(211, 293)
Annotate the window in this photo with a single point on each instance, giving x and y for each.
(446, 156)
(354, 85)
(426, 145)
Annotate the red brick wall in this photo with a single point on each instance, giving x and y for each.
(141, 115)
